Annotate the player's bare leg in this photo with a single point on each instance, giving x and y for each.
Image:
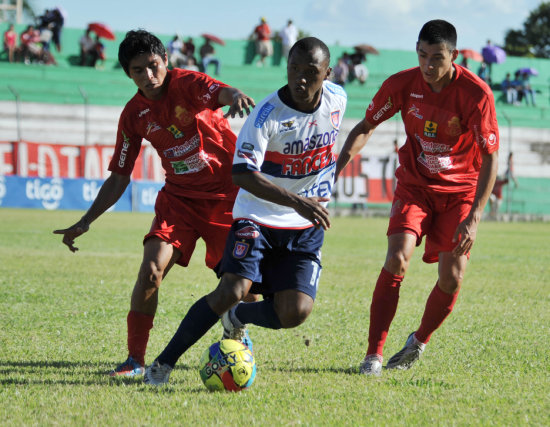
(158, 258)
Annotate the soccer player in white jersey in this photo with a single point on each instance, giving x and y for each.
(284, 165)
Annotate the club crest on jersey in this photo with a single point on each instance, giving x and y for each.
(240, 250)
(453, 127)
(430, 129)
(175, 131)
(248, 232)
(335, 119)
(183, 115)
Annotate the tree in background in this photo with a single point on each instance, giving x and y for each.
(534, 38)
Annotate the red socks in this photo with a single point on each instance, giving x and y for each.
(139, 325)
(438, 307)
(382, 309)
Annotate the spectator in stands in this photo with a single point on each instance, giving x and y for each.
(53, 20)
(288, 35)
(525, 87)
(509, 174)
(10, 42)
(358, 70)
(99, 55)
(88, 52)
(264, 46)
(464, 62)
(189, 50)
(509, 90)
(340, 72)
(31, 48)
(207, 52)
(175, 55)
(191, 64)
(483, 72)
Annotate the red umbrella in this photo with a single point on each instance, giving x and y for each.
(471, 54)
(101, 30)
(213, 38)
(366, 48)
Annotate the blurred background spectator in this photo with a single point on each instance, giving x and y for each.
(288, 35)
(207, 52)
(10, 43)
(264, 45)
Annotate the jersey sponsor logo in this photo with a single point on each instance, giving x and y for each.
(247, 146)
(430, 129)
(182, 149)
(263, 114)
(335, 119)
(492, 139)
(453, 127)
(435, 163)
(387, 107)
(432, 147)
(183, 115)
(143, 112)
(248, 232)
(152, 127)
(303, 166)
(191, 164)
(309, 143)
(415, 111)
(213, 88)
(287, 126)
(175, 131)
(416, 95)
(124, 151)
(240, 250)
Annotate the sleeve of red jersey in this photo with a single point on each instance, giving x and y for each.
(383, 106)
(483, 123)
(127, 148)
(204, 91)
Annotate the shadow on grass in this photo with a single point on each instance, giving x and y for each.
(90, 373)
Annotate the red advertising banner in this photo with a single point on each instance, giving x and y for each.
(30, 159)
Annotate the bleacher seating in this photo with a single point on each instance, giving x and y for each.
(66, 83)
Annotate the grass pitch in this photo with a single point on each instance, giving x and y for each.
(63, 327)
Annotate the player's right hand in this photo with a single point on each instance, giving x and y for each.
(71, 233)
(312, 209)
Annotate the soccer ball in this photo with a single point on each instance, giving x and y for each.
(227, 365)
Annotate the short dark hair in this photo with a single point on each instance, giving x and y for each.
(438, 31)
(137, 42)
(307, 44)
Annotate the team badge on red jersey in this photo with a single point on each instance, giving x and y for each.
(240, 250)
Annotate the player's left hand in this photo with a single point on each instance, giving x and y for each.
(241, 103)
(465, 235)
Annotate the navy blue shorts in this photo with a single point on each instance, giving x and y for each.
(274, 259)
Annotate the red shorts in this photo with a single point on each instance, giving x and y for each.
(434, 215)
(180, 222)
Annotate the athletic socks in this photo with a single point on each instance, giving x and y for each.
(139, 325)
(198, 320)
(438, 307)
(260, 313)
(382, 310)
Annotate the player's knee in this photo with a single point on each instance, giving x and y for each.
(292, 315)
(150, 275)
(397, 262)
(450, 283)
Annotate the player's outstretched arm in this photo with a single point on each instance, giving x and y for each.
(238, 102)
(109, 193)
(355, 141)
(308, 207)
(466, 231)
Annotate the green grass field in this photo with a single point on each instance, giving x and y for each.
(63, 326)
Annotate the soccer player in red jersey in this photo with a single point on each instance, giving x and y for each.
(178, 111)
(448, 166)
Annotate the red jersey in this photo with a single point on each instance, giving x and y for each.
(188, 130)
(263, 32)
(446, 131)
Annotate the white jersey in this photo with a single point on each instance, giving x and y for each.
(291, 149)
